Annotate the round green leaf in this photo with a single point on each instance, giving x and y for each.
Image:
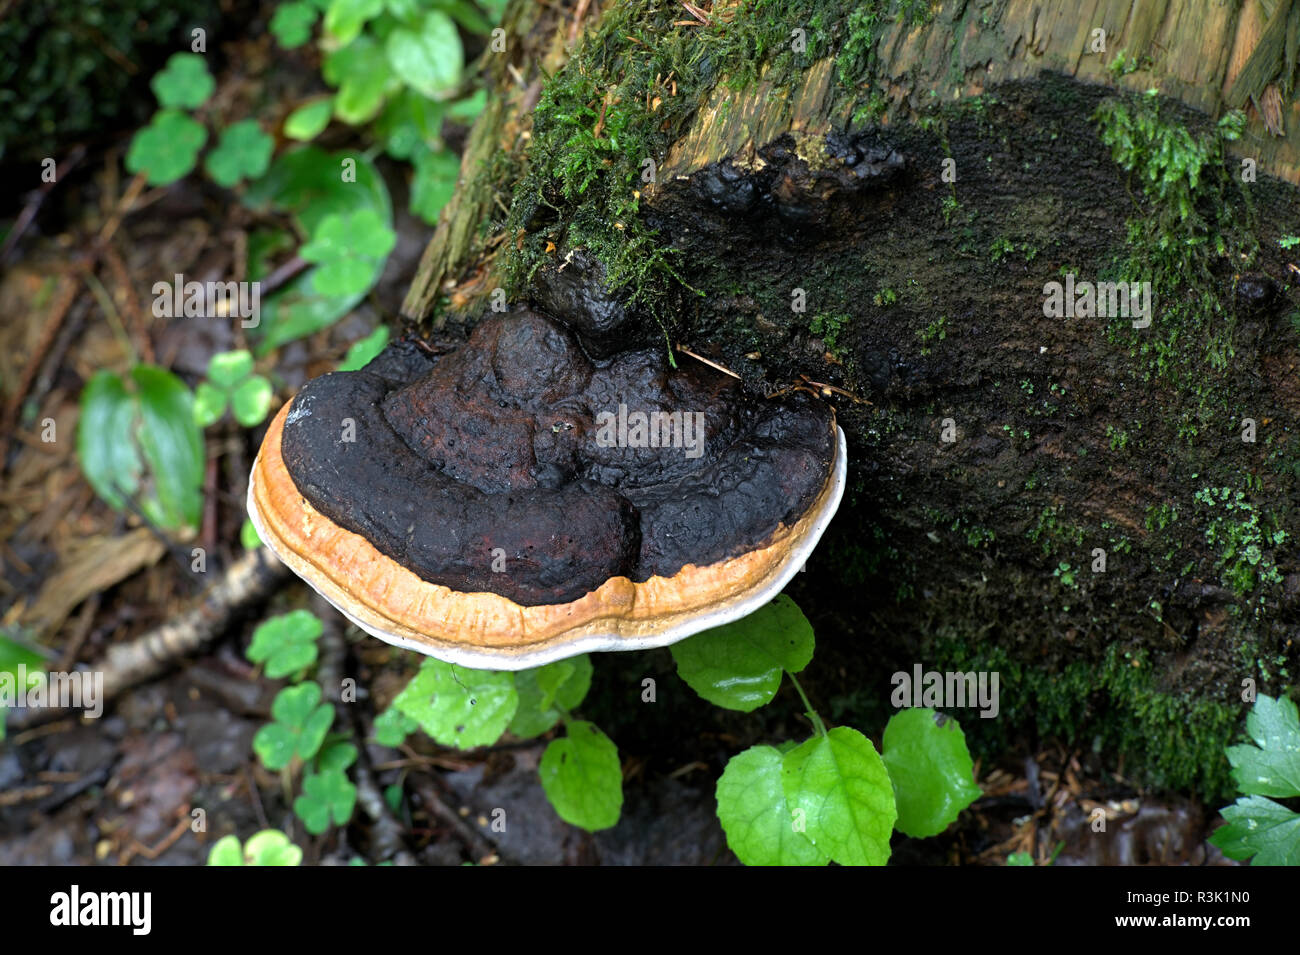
(393, 726)
(167, 148)
(184, 83)
(326, 797)
(458, 706)
(434, 182)
(739, 665)
(839, 789)
(755, 816)
(350, 251)
(271, 847)
(582, 777)
(931, 771)
(362, 352)
(251, 401)
(209, 404)
(244, 152)
(301, 722)
(309, 121)
(226, 851)
(364, 79)
(248, 535)
(274, 745)
(544, 691)
(345, 18)
(227, 369)
(286, 644)
(428, 59)
(292, 22)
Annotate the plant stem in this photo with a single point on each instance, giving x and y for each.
(812, 714)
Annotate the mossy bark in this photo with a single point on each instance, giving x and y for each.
(825, 179)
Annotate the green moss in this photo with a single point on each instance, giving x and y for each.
(1192, 219)
(828, 328)
(1116, 704)
(629, 92)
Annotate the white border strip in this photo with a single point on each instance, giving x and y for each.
(504, 659)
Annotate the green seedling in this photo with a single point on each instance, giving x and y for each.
(268, 847)
(1259, 828)
(232, 383)
(286, 644)
(243, 152)
(301, 722)
(144, 421)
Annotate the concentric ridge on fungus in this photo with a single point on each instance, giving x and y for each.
(505, 504)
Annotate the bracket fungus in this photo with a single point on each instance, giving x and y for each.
(516, 500)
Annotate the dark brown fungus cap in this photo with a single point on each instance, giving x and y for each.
(517, 501)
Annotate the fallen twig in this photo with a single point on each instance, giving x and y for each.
(251, 579)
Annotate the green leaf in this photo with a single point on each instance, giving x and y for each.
(184, 83)
(251, 401)
(345, 18)
(336, 756)
(14, 654)
(543, 691)
(307, 183)
(739, 665)
(244, 152)
(931, 771)
(464, 13)
(172, 445)
(434, 182)
(226, 851)
(326, 797)
(350, 251)
(1259, 827)
(309, 121)
(227, 369)
(1020, 858)
(458, 706)
(271, 847)
(292, 23)
(467, 110)
(428, 59)
(362, 352)
(393, 726)
(248, 535)
(120, 432)
(364, 79)
(410, 124)
(755, 815)
(286, 644)
(301, 722)
(209, 404)
(106, 444)
(1274, 768)
(842, 789)
(582, 777)
(167, 148)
